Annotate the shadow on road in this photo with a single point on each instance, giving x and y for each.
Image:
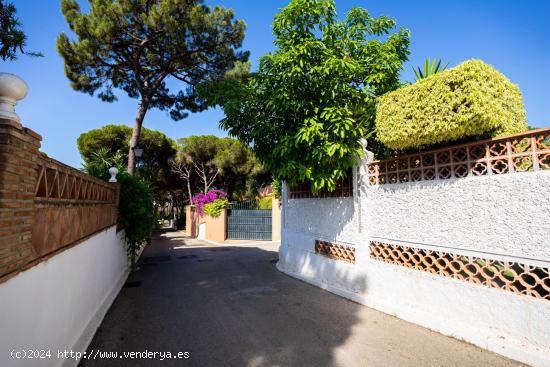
(229, 306)
(226, 306)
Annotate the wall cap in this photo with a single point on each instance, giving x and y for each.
(12, 89)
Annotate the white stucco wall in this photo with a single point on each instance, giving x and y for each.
(327, 219)
(58, 304)
(504, 217)
(502, 214)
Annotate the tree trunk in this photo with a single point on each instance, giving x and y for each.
(189, 192)
(136, 132)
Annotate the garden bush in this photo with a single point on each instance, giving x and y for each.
(201, 200)
(266, 202)
(215, 208)
(277, 188)
(470, 100)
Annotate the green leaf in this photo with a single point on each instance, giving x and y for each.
(314, 95)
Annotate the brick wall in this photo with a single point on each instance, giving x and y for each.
(45, 206)
(18, 173)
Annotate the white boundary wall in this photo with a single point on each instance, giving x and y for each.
(59, 303)
(502, 217)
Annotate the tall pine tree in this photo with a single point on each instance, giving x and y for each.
(139, 45)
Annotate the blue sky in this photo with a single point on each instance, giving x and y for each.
(513, 36)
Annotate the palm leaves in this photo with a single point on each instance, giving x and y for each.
(431, 67)
(100, 162)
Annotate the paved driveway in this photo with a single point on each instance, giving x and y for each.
(229, 306)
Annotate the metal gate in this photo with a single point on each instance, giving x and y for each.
(245, 221)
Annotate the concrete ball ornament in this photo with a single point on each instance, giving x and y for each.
(12, 89)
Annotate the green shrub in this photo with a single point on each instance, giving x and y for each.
(265, 202)
(135, 212)
(215, 208)
(470, 100)
(277, 188)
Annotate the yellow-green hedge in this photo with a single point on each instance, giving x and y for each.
(471, 99)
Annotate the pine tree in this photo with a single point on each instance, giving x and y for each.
(138, 46)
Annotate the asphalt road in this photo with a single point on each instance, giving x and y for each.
(229, 306)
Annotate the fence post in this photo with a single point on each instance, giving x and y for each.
(275, 219)
(18, 177)
(361, 178)
(190, 222)
(113, 171)
(284, 208)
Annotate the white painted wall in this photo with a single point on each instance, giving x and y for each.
(58, 304)
(505, 214)
(503, 217)
(202, 231)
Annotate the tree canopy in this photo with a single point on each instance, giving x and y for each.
(193, 164)
(314, 97)
(137, 46)
(100, 161)
(109, 145)
(207, 161)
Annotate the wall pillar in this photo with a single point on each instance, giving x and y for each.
(191, 228)
(361, 182)
(284, 208)
(216, 228)
(18, 177)
(275, 219)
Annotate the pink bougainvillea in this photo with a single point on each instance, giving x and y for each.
(199, 200)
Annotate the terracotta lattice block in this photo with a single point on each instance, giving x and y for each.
(524, 152)
(69, 206)
(515, 277)
(59, 181)
(334, 251)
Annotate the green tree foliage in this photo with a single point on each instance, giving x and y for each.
(115, 138)
(12, 38)
(100, 161)
(431, 67)
(182, 165)
(471, 100)
(207, 161)
(277, 188)
(201, 151)
(313, 98)
(158, 149)
(135, 212)
(266, 202)
(241, 173)
(113, 141)
(137, 46)
(215, 208)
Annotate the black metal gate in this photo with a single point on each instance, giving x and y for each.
(245, 221)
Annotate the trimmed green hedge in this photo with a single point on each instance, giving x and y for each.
(470, 100)
(265, 202)
(215, 208)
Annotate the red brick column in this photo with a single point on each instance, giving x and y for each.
(18, 175)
